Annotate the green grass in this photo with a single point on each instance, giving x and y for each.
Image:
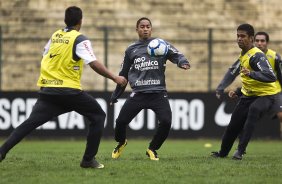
(181, 161)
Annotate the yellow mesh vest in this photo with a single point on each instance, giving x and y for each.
(252, 87)
(58, 68)
(270, 54)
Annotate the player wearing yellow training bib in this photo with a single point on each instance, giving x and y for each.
(61, 67)
(259, 81)
(261, 41)
(257, 95)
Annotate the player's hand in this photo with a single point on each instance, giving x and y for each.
(232, 94)
(185, 66)
(120, 80)
(245, 71)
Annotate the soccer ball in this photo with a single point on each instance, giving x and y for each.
(157, 47)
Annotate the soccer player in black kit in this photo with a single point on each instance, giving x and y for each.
(147, 80)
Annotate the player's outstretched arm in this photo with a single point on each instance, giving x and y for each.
(102, 70)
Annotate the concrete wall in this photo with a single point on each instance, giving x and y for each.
(28, 24)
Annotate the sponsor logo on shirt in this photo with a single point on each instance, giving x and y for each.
(60, 39)
(142, 64)
(147, 82)
(52, 81)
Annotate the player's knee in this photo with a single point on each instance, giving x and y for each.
(102, 117)
(98, 118)
(165, 121)
(122, 120)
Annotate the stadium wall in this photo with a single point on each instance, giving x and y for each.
(27, 25)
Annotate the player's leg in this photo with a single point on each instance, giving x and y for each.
(43, 111)
(278, 107)
(87, 106)
(233, 129)
(132, 106)
(160, 105)
(256, 109)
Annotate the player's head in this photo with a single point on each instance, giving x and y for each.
(144, 28)
(249, 29)
(245, 36)
(73, 16)
(261, 40)
(263, 34)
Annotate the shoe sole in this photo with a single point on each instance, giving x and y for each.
(236, 158)
(100, 166)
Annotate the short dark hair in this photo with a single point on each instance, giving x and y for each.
(73, 15)
(142, 18)
(248, 28)
(263, 33)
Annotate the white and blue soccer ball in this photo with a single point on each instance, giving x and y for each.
(157, 47)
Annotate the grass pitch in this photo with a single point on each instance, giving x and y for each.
(181, 161)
